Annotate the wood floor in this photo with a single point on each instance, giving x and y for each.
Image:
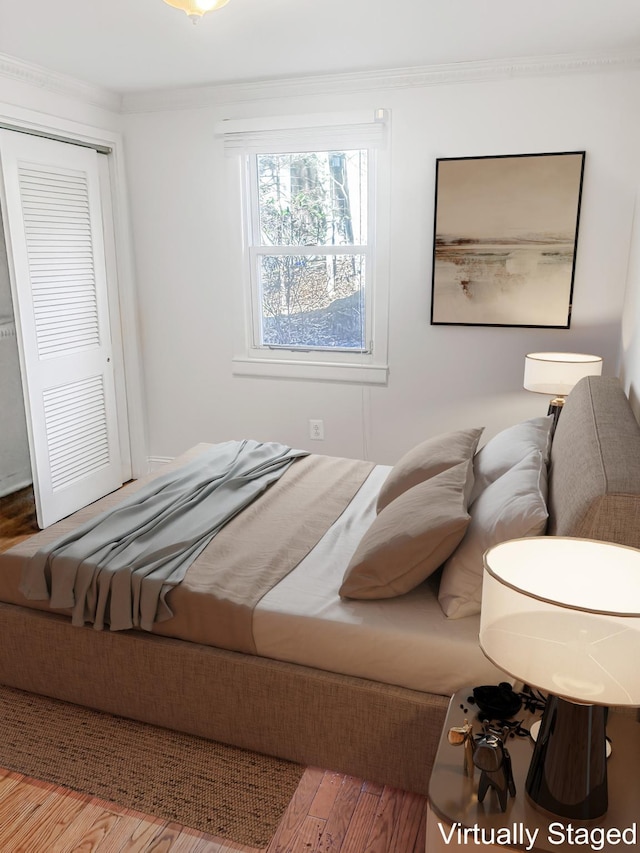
(329, 813)
(17, 517)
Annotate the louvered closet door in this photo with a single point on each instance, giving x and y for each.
(53, 224)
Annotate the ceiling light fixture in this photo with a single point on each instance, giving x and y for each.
(195, 9)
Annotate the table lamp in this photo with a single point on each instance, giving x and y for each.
(555, 374)
(563, 615)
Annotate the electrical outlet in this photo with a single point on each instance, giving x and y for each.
(316, 430)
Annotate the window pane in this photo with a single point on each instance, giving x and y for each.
(312, 198)
(312, 301)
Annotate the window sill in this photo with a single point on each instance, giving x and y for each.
(362, 374)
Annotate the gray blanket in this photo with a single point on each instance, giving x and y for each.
(118, 567)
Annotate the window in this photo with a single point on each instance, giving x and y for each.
(316, 295)
(308, 250)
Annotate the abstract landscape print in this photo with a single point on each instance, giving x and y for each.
(505, 237)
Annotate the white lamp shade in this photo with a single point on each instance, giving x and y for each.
(563, 615)
(557, 372)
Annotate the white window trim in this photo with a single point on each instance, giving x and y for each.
(369, 367)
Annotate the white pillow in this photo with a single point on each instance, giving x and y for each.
(511, 507)
(509, 447)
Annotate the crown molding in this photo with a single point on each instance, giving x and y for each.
(376, 81)
(60, 84)
(326, 84)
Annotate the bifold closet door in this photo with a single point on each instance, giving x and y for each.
(53, 226)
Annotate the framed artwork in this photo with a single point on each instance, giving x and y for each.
(505, 238)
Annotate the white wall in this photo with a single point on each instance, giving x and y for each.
(440, 377)
(630, 338)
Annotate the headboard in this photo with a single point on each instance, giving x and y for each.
(594, 475)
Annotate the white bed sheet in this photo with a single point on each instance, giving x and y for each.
(406, 641)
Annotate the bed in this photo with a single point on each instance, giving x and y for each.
(355, 684)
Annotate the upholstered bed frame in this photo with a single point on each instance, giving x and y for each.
(365, 728)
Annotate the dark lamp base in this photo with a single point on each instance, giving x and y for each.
(555, 409)
(568, 771)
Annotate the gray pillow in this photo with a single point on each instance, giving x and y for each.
(411, 537)
(428, 459)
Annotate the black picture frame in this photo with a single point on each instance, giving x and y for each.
(505, 238)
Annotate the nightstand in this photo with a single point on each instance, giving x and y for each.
(456, 820)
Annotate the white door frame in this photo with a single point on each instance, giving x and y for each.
(120, 269)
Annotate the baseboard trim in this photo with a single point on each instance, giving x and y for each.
(155, 462)
(14, 484)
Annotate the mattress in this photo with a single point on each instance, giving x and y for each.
(405, 641)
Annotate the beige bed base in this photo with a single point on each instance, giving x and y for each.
(375, 731)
